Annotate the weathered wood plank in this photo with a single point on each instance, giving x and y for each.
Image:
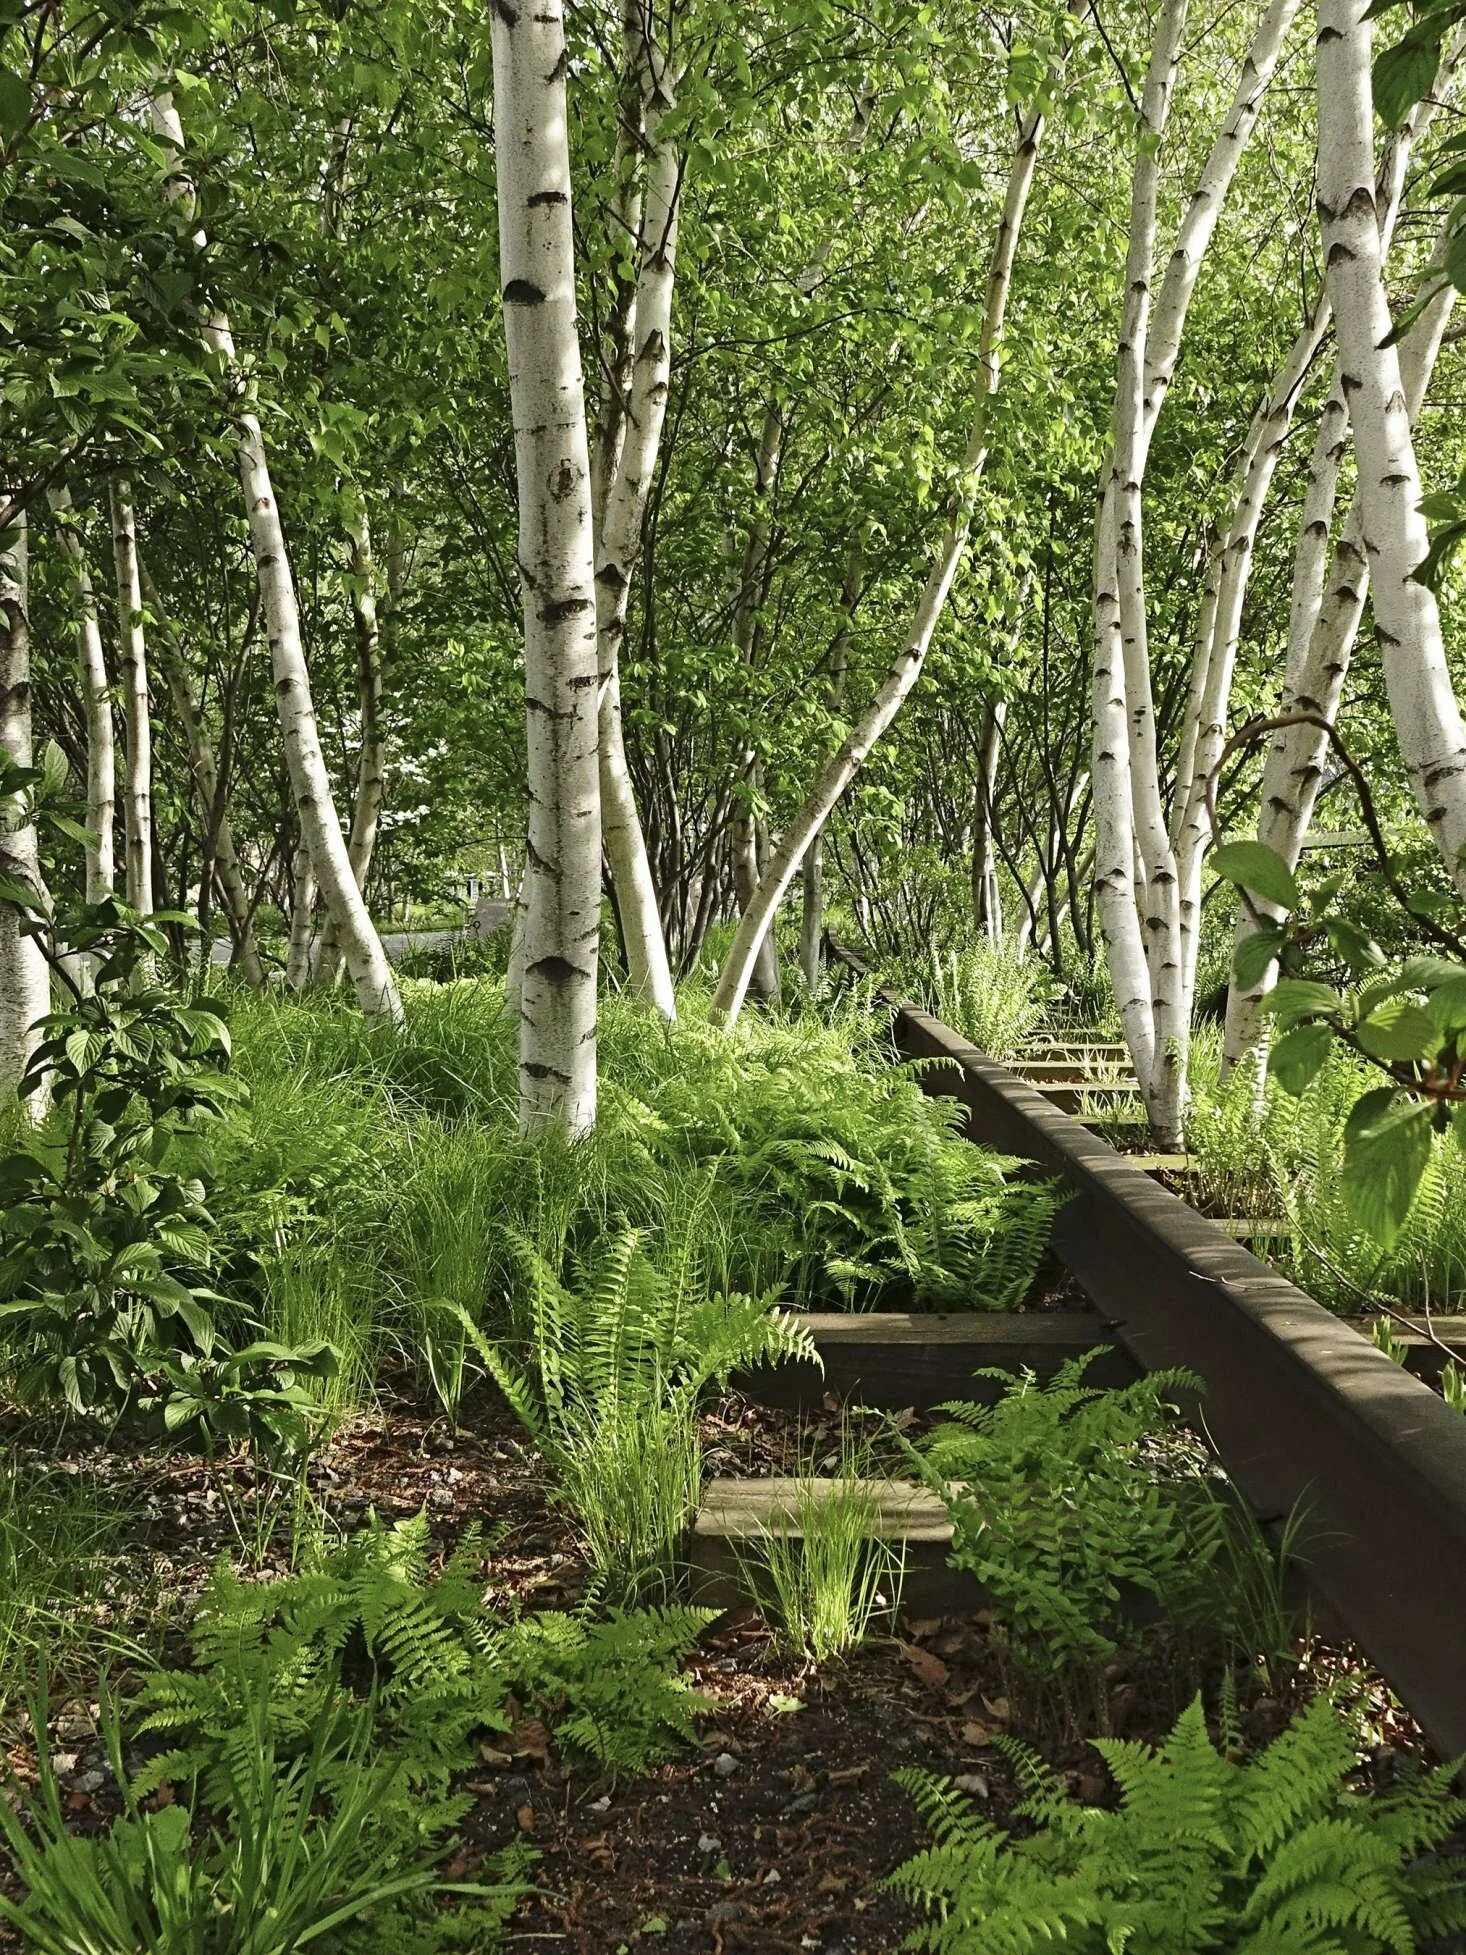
(736, 1515)
(893, 1359)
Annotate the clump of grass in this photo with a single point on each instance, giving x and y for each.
(991, 993)
(823, 1577)
(58, 1538)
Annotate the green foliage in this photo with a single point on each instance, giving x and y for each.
(1063, 1498)
(370, 1631)
(57, 1533)
(106, 1256)
(987, 992)
(288, 1852)
(1202, 1852)
(608, 1381)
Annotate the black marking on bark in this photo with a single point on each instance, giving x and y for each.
(561, 68)
(555, 970)
(612, 576)
(519, 291)
(565, 608)
(1339, 253)
(536, 1070)
(543, 197)
(506, 13)
(564, 480)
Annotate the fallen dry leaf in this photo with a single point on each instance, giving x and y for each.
(929, 1668)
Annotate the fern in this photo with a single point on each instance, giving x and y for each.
(1278, 1857)
(369, 1632)
(1061, 1498)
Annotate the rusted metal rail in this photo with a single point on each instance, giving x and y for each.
(1301, 1409)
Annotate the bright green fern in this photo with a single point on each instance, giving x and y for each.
(1279, 1857)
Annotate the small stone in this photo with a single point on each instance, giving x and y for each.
(972, 1782)
(91, 1781)
(603, 1804)
(772, 1877)
(806, 1802)
(709, 1843)
(64, 1763)
(725, 1764)
(723, 1911)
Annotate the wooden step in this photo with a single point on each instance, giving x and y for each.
(1162, 1163)
(891, 1359)
(1423, 1354)
(736, 1515)
(1069, 1098)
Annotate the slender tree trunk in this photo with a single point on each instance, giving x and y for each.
(561, 938)
(1407, 622)
(812, 920)
(96, 696)
(624, 482)
(25, 988)
(987, 906)
(376, 989)
(842, 767)
(371, 765)
(303, 890)
(137, 780)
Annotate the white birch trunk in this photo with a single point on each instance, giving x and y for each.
(25, 986)
(625, 482)
(303, 891)
(376, 989)
(1324, 620)
(137, 777)
(842, 767)
(371, 763)
(96, 695)
(1142, 889)
(561, 934)
(1128, 819)
(1407, 622)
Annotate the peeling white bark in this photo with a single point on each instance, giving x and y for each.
(25, 987)
(310, 782)
(561, 933)
(137, 778)
(624, 481)
(1423, 703)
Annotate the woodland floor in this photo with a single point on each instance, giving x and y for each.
(773, 1835)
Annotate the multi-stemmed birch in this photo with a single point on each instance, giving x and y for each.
(630, 436)
(1407, 624)
(310, 782)
(560, 919)
(25, 991)
(1328, 592)
(842, 766)
(1138, 878)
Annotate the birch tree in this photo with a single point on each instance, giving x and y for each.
(25, 991)
(96, 696)
(320, 827)
(1407, 624)
(560, 934)
(1138, 879)
(1329, 590)
(137, 794)
(631, 434)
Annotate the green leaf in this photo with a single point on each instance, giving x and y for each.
(1402, 74)
(1398, 1030)
(1386, 1149)
(1295, 998)
(1258, 953)
(1298, 1054)
(1254, 866)
(15, 103)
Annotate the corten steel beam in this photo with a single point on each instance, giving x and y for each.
(1299, 1406)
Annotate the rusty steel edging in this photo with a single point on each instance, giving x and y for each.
(1299, 1406)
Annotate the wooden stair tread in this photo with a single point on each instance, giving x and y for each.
(747, 1510)
(831, 1328)
(1162, 1163)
